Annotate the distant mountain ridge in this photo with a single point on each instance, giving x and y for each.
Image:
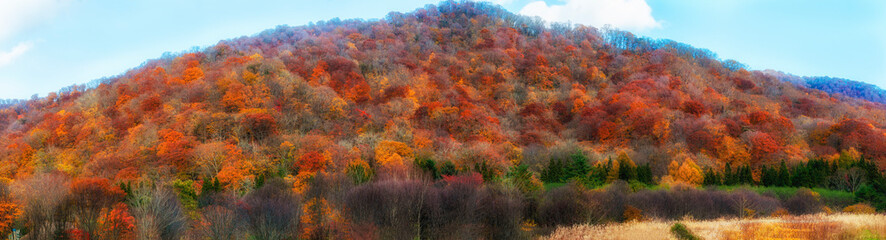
(833, 85)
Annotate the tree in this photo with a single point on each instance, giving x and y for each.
(235, 97)
(89, 196)
(763, 146)
(392, 153)
(117, 223)
(578, 166)
(520, 177)
(259, 125)
(9, 212)
(175, 149)
(694, 108)
(627, 169)
(311, 162)
(688, 172)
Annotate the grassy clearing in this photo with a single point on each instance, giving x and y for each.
(828, 197)
(820, 226)
(549, 186)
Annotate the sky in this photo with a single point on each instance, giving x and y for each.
(46, 45)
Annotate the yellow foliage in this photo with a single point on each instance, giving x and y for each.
(860, 208)
(733, 151)
(392, 153)
(256, 56)
(300, 183)
(249, 76)
(688, 172)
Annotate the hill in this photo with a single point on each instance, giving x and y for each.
(448, 89)
(455, 83)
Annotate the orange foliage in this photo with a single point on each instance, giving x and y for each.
(191, 74)
(235, 97)
(8, 213)
(118, 223)
(175, 149)
(312, 161)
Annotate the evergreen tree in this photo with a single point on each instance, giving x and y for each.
(555, 171)
(626, 168)
(768, 176)
(711, 178)
(644, 174)
(784, 175)
(728, 179)
(745, 176)
(578, 167)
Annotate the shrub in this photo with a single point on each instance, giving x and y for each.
(272, 212)
(681, 232)
(633, 214)
(220, 223)
(451, 211)
(681, 201)
(805, 201)
(501, 212)
(158, 214)
(860, 208)
(781, 212)
(391, 206)
(562, 206)
(521, 178)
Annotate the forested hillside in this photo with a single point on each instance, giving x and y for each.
(446, 108)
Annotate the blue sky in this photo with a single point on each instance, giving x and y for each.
(49, 44)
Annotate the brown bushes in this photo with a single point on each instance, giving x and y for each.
(702, 204)
(400, 209)
(805, 201)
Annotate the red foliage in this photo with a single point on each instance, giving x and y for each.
(743, 84)
(94, 193)
(258, 126)
(862, 135)
(763, 146)
(118, 223)
(694, 107)
(151, 104)
(312, 161)
(470, 179)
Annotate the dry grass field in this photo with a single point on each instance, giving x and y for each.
(820, 226)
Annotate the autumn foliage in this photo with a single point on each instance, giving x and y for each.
(429, 114)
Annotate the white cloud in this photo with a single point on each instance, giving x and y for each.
(16, 15)
(18, 50)
(633, 15)
(500, 2)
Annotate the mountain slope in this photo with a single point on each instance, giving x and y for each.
(465, 83)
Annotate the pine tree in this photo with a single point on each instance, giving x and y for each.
(626, 168)
(711, 178)
(578, 167)
(784, 175)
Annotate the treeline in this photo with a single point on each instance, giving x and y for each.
(334, 206)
